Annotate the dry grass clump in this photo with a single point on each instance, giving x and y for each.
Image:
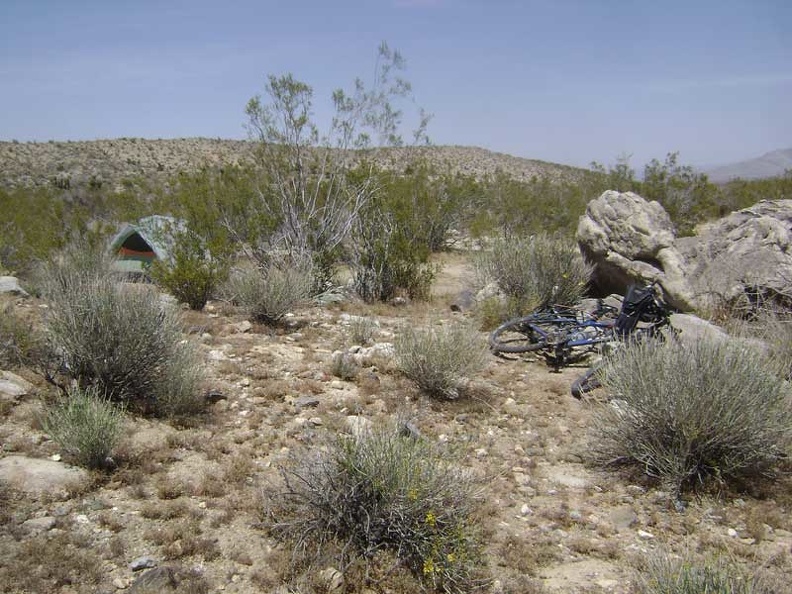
(86, 424)
(51, 563)
(442, 359)
(663, 573)
(20, 343)
(382, 494)
(362, 330)
(535, 272)
(121, 339)
(269, 293)
(710, 410)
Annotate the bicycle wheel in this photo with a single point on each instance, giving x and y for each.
(585, 383)
(527, 334)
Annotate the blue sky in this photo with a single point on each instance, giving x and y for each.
(569, 81)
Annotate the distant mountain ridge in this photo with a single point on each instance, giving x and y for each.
(770, 164)
(110, 162)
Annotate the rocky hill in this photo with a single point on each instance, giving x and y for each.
(110, 161)
(770, 164)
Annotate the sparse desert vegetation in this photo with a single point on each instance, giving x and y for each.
(302, 402)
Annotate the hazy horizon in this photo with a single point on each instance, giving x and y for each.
(567, 81)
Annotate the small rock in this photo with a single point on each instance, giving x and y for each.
(306, 401)
(10, 284)
(216, 355)
(732, 532)
(121, 583)
(525, 510)
(38, 525)
(332, 578)
(644, 535)
(159, 579)
(140, 563)
(242, 327)
(358, 426)
(408, 429)
(316, 421)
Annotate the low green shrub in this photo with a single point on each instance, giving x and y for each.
(535, 272)
(121, 339)
(663, 574)
(441, 359)
(192, 275)
(708, 410)
(383, 492)
(268, 293)
(86, 424)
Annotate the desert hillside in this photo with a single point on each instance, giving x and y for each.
(110, 161)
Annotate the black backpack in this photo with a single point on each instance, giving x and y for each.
(639, 305)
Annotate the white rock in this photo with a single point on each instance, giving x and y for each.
(644, 535)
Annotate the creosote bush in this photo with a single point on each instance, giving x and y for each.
(86, 424)
(268, 293)
(193, 275)
(708, 410)
(382, 492)
(121, 339)
(535, 272)
(441, 359)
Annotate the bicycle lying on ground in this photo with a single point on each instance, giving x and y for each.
(563, 336)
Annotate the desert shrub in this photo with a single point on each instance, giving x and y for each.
(121, 339)
(193, 274)
(271, 291)
(711, 410)
(383, 492)
(774, 328)
(663, 574)
(441, 359)
(537, 271)
(362, 330)
(86, 424)
(386, 257)
(20, 343)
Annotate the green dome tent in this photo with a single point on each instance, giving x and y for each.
(137, 245)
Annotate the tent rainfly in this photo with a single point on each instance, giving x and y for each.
(136, 246)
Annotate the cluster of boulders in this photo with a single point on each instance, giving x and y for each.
(746, 255)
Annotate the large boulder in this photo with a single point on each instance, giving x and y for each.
(745, 255)
(630, 240)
